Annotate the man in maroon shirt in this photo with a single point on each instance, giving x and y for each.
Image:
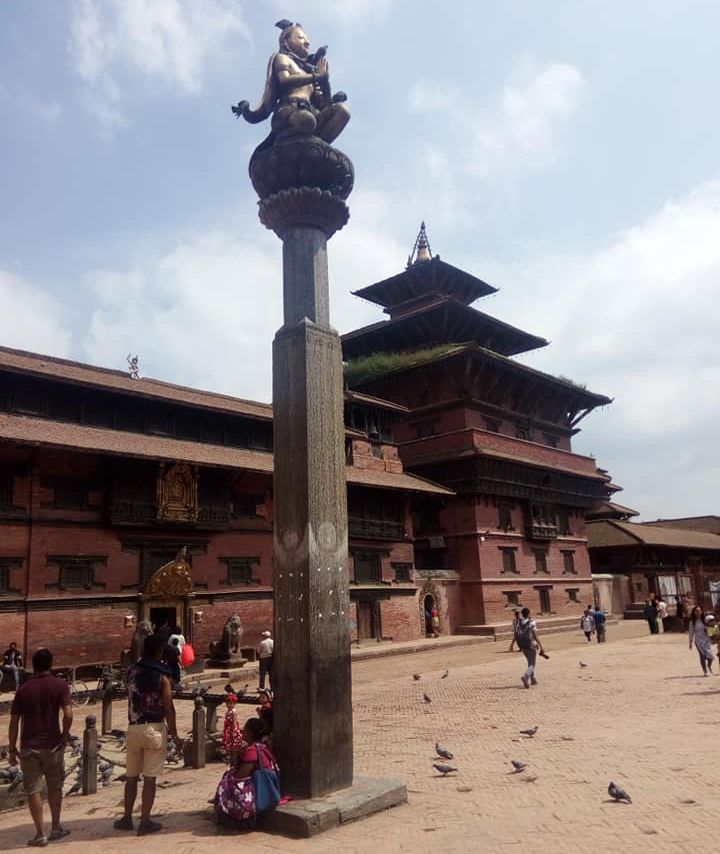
(37, 703)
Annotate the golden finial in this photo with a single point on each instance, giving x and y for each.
(421, 248)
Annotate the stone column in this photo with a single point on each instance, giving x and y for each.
(311, 663)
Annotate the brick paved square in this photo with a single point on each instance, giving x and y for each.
(640, 714)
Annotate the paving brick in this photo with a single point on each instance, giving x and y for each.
(640, 714)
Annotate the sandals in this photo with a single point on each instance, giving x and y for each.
(58, 833)
(38, 842)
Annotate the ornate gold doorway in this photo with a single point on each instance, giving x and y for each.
(168, 594)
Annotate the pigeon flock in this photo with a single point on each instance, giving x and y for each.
(617, 793)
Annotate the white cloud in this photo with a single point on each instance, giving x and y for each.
(348, 11)
(167, 41)
(32, 318)
(637, 319)
(519, 131)
(204, 311)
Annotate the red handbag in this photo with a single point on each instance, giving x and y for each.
(187, 656)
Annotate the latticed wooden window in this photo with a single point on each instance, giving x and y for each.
(509, 560)
(505, 517)
(540, 561)
(367, 567)
(402, 571)
(569, 563)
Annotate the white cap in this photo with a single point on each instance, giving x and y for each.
(266, 634)
(710, 618)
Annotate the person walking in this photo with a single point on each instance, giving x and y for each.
(663, 615)
(600, 624)
(650, 612)
(529, 645)
(265, 657)
(698, 635)
(151, 716)
(13, 663)
(38, 704)
(587, 624)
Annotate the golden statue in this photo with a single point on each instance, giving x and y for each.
(297, 91)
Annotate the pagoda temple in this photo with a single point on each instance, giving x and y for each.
(496, 432)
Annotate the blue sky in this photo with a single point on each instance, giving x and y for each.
(564, 151)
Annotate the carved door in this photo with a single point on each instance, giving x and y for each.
(366, 621)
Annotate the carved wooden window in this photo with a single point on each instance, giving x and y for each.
(551, 440)
(245, 505)
(573, 594)
(522, 429)
(27, 399)
(569, 563)
(6, 490)
(241, 570)
(367, 567)
(540, 560)
(509, 560)
(492, 425)
(563, 522)
(402, 572)
(75, 572)
(375, 515)
(505, 522)
(512, 597)
(69, 493)
(7, 565)
(427, 518)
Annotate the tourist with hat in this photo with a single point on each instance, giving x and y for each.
(265, 657)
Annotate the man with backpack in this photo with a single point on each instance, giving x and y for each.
(529, 645)
(600, 620)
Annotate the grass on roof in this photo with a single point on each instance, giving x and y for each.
(366, 368)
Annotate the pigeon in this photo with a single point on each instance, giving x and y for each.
(442, 752)
(445, 674)
(582, 664)
(106, 774)
(443, 769)
(103, 766)
(427, 699)
(3, 752)
(16, 783)
(416, 676)
(518, 766)
(241, 692)
(73, 790)
(77, 750)
(116, 733)
(618, 794)
(529, 732)
(203, 690)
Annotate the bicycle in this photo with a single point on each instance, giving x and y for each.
(79, 692)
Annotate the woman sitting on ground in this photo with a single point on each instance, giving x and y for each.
(235, 799)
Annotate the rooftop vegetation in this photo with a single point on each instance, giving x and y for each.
(366, 368)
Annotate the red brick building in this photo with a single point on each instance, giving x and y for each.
(496, 432)
(463, 489)
(105, 478)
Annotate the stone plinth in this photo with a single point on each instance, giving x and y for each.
(309, 817)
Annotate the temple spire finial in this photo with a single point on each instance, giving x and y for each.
(421, 248)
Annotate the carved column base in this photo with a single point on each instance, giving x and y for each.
(303, 206)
